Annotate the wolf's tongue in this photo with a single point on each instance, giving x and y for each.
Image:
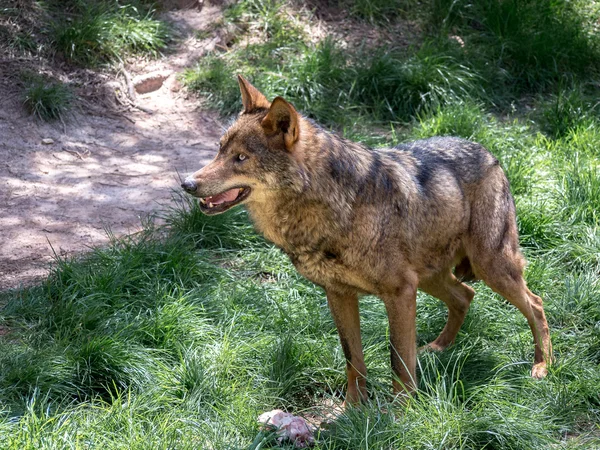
(227, 196)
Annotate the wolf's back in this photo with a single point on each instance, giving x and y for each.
(466, 160)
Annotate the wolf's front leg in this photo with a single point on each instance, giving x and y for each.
(344, 308)
(401, 308)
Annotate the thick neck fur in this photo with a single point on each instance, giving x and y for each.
(333, 177)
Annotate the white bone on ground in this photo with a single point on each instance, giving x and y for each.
(294, 428)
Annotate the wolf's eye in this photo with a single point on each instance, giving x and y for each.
(241, 157)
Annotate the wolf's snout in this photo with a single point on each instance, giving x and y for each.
(189, 186)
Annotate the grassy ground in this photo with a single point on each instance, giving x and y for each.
(180, 337)
(87, 33)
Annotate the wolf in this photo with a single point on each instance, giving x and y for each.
(354, 220)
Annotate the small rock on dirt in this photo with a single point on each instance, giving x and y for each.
(47, 141)
(150, 82)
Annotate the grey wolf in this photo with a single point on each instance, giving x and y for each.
(354, 220)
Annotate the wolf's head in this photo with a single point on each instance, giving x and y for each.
(256, 155)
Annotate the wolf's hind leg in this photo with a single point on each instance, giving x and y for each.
(503, 273)
(493, 249)
(457, 297)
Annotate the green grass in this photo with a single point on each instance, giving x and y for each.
(180, 336)
(333, 86)
(84, 33)
(376, 11)
(45, 98)
(99, 32)
(511, 50)
(529, 44)
(567, 109)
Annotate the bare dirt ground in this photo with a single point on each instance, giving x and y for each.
(103, 169)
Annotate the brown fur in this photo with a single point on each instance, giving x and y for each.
(360, 221)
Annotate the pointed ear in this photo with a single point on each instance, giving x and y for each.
(282, 118)
(252, 98)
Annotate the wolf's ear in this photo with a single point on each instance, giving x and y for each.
(252, 98)
(282, 118)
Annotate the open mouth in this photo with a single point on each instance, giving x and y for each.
(222, 202)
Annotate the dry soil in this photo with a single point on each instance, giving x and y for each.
(63, 185)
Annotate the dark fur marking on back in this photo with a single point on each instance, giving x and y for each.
(467, 161)
(374, 172)
(430, 162)
(377, 182)
(343, 170)
(395, 156)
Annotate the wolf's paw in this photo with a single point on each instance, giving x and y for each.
(539, 370)
(432, 347)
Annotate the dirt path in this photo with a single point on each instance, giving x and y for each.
(101, 170)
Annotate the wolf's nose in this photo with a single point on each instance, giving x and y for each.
(189, 186)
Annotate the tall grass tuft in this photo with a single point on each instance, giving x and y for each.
(566, 111)
(106, 32)
(46, 99)
(579, 190)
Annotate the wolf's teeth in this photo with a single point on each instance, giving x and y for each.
(203, 201)
(210, 205)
